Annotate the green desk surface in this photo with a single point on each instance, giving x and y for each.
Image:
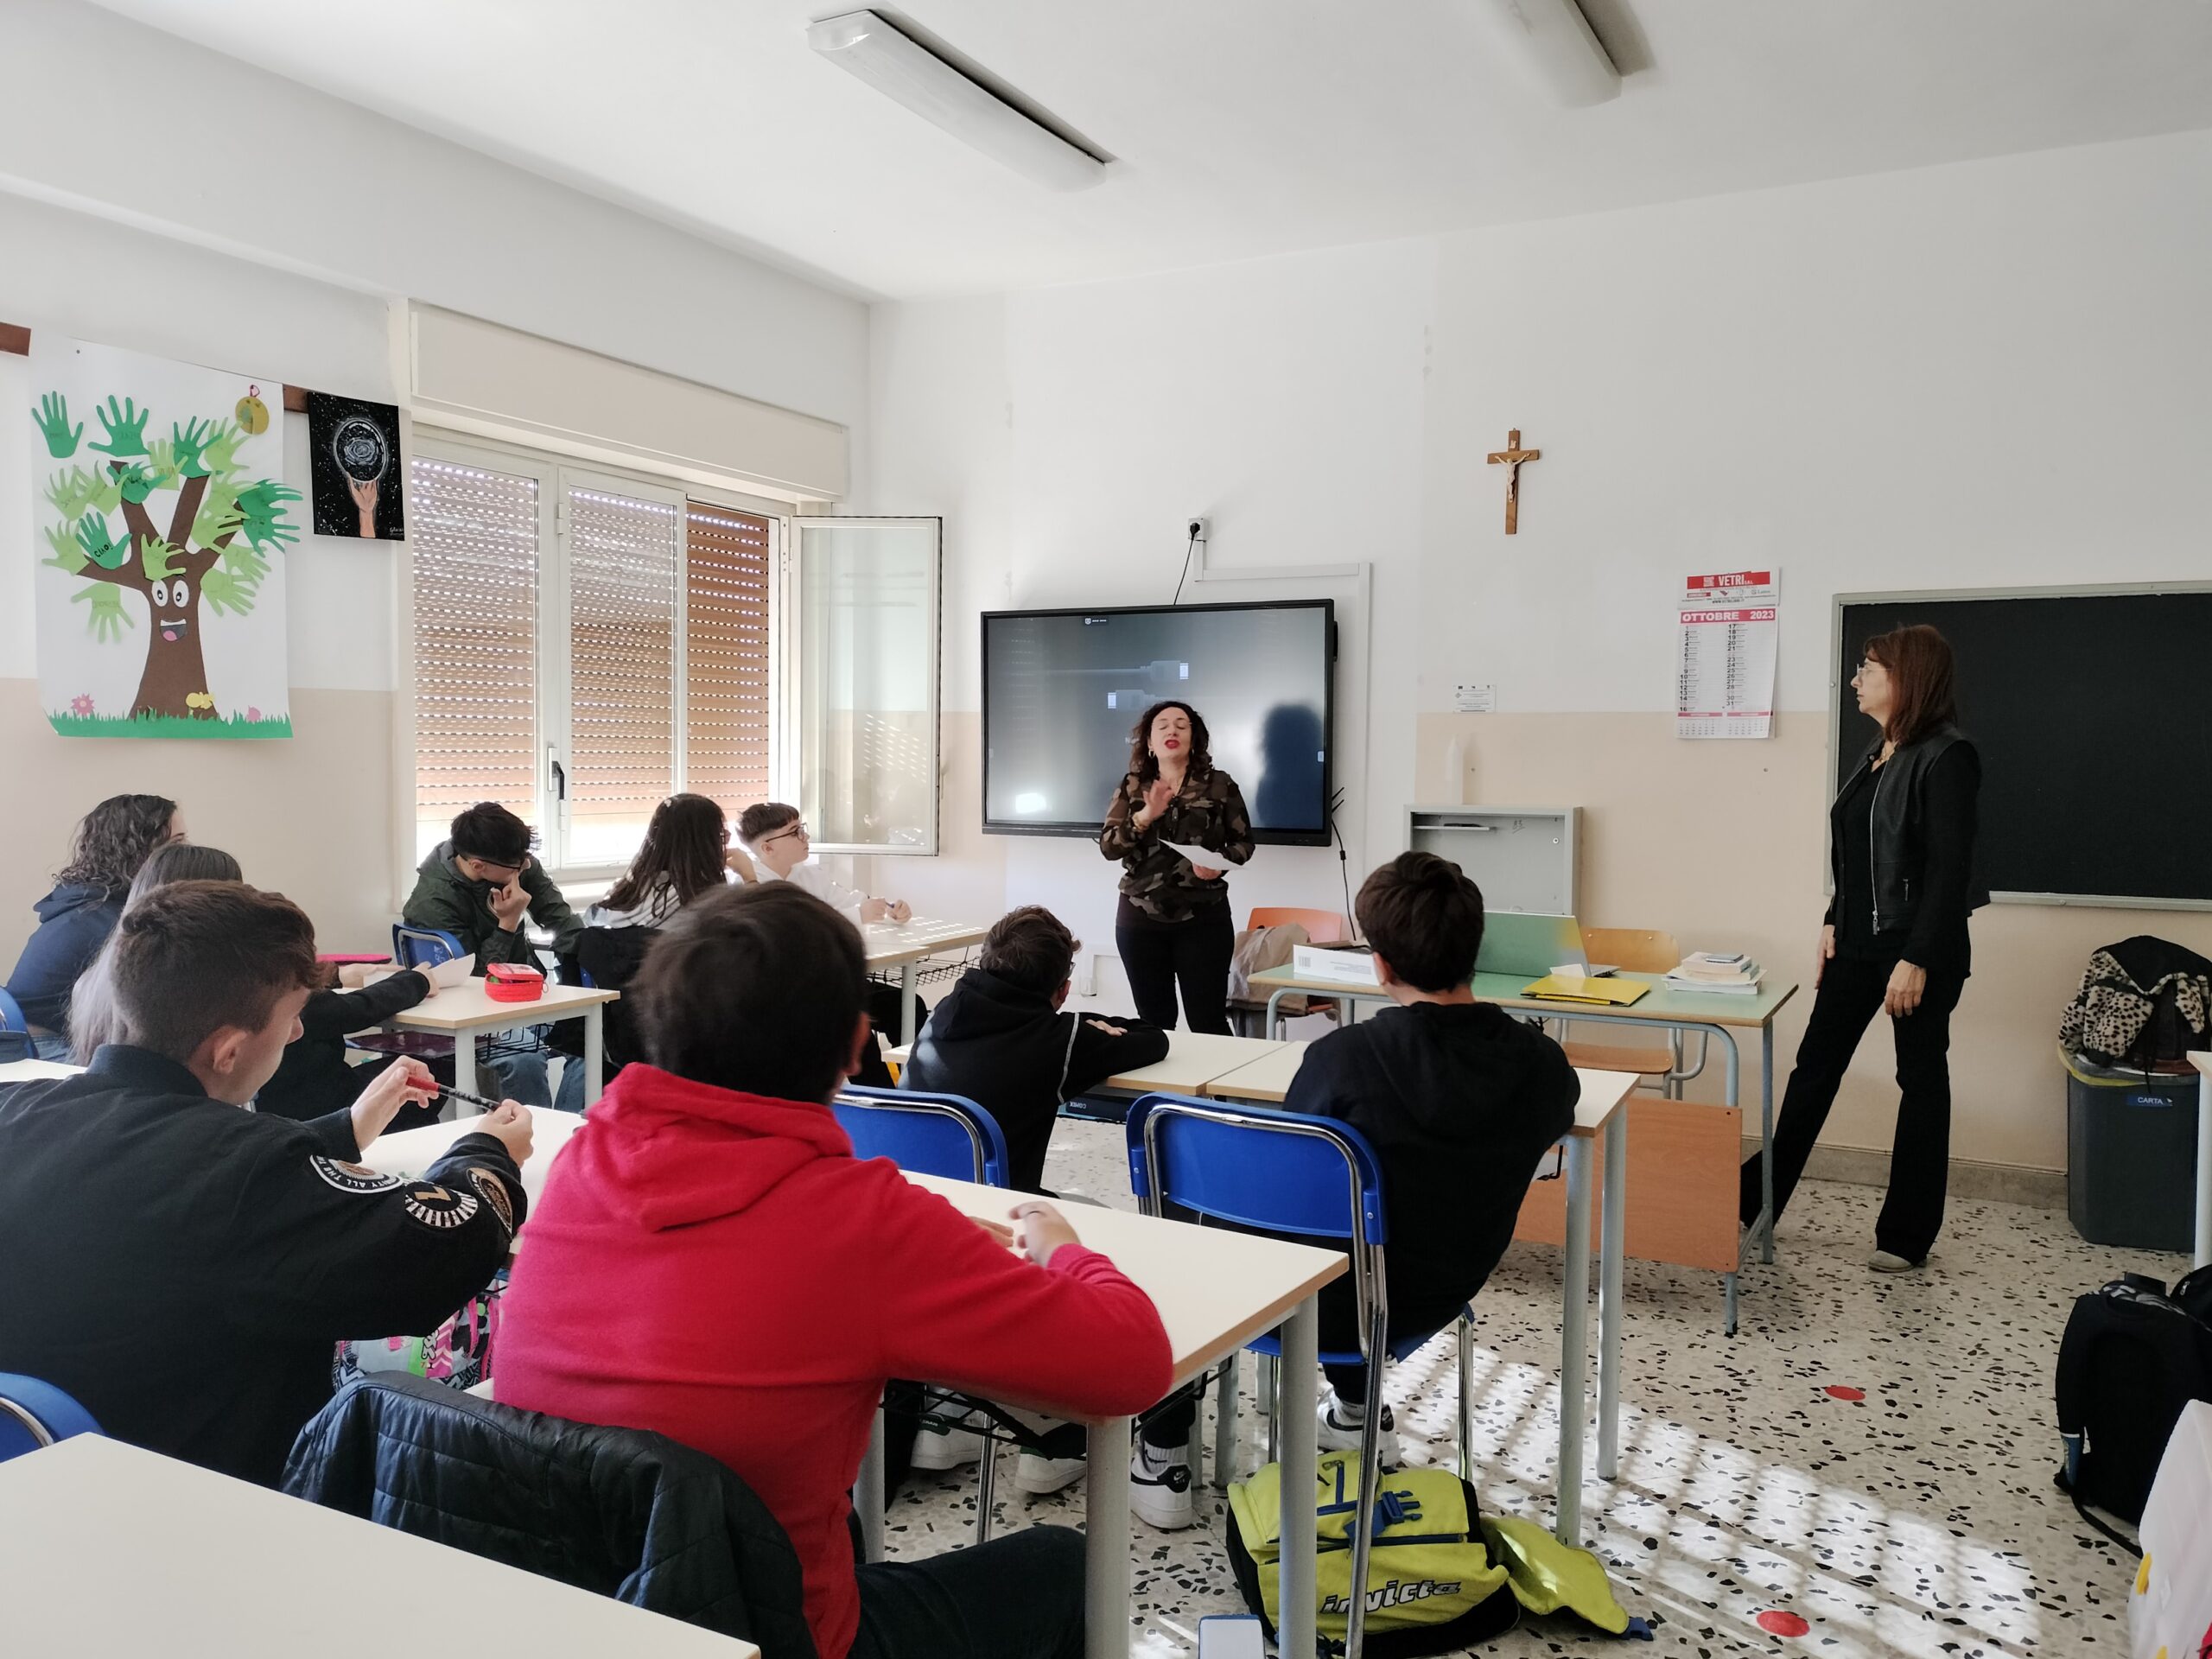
(1660, 1005)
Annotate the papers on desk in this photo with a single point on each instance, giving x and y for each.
(445, 975)
(35, 1070)
(1731, 973)
(1573, 988)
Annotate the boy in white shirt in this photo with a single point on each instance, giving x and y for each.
(783, 851)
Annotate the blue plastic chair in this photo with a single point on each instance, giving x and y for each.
(1303, 1177)
(422, 947)
(34, 1414)
(15, 1028)
(946, 1135)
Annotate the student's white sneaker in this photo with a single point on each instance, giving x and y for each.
(940, 1449)
(1890, 1262)
(1038, 1475)
(1160, 1486)
(1336, 1426)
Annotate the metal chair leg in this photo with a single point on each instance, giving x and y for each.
(1269, 1402)
(1370, 1479)
(1224, 1423)
(1466, 1343)
(986, 1481)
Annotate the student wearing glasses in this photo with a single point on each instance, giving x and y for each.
(783, 851)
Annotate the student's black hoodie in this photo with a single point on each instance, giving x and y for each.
(1005, 1047)
(1459, 1102)
(74, 923)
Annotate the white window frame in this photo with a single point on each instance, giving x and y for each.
(555, 475)
(786, 721)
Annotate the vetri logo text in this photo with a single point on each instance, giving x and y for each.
(1394, 1594)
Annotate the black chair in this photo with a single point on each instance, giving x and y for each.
(618, 1512)
(607, 958)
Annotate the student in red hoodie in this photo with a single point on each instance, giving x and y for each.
(710, 1261)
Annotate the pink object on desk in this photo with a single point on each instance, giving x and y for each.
(342, 959)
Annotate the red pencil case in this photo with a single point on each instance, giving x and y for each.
(511, 982)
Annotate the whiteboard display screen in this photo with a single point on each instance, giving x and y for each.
(1063, 690)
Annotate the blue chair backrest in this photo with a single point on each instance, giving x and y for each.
(1279, 1171)
(15, 1028)
(34, 1414)
(931, 1134)
(422, 947)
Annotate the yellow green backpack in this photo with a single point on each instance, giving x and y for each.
(1440, 1574)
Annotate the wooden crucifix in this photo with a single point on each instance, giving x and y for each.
(1512, 455)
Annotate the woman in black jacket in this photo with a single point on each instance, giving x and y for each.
(1901, 838)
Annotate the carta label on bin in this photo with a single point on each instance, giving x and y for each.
(2158, 1101)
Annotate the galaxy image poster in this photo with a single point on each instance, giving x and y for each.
(354, 471)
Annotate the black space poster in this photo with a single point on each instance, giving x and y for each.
(355, 467)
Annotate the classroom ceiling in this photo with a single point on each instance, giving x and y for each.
(1240, 128)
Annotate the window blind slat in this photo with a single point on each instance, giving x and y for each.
(622, 595)
(473, 539)
(725, 656)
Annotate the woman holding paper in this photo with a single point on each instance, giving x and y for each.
(1177, 824)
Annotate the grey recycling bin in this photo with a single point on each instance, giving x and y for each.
(2131, 1156)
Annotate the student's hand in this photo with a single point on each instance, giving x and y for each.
(874, 910)
(1043, 1229)
(351, 976)
(510, 904)
(1906, 985)
(901, 911)
(1205, 874)
(1111, 1030)
(1000, 1232)
(738, 859)
(430, 982)
(405, 1082)
(1827, 955)
(509, 1124)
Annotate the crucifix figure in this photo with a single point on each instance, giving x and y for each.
(1512, 455)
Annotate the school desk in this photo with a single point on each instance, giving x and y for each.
(411, 1152)
(906, 945)
(1683, 1203)
(111, 1549)
(465, 1013)
(1194, 1059)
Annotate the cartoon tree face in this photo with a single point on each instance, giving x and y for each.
(223, 529)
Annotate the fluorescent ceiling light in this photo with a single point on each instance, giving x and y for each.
(871, 46)
(1556, 49)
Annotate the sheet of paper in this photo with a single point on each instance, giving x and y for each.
(1725, 659)
(1203, 858)
(35, 1070)
(445, 976)
(1475, 699)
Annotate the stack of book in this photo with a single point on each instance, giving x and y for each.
(1716, 970)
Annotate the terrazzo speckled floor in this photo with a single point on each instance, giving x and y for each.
(1920, 1520)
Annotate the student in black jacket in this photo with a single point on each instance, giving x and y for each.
(1460, 1102)
(1003, 1038)
(184, 1267)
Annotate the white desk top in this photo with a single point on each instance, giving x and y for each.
(411, 1152)
(1194, 1059)
(466, 1007)
(893, 945)
(1268, 1079)
(113, 1550)
(2203, 1063)
(1215, 1290)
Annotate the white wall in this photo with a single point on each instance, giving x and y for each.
(1977, 375)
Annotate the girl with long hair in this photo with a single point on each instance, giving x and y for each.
(687, 851)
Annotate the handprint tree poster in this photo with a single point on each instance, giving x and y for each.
(161, 519)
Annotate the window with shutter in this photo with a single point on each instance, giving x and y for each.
(725, 661)
(623, 558)
(474, 536)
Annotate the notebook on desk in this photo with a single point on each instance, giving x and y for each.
(1593, 991)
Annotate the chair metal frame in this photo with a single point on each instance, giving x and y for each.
(44, 1431)
(1364, 1237)
(987, 1144)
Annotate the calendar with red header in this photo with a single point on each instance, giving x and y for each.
(1725, 656)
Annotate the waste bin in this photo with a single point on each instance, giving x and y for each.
(2131, 1156)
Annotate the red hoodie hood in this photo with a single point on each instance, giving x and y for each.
(664, 1152)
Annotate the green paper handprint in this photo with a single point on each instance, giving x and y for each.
(221, 450)
(100, 547)
(244, 562)
(264, 498)
(226, 592)
(188, 445)
(108, 619)
(67, 556)
(72, 491)
(157, 559)
(52, 418)
(136, 483)
(126, 428)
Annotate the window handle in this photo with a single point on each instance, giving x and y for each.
(560, 782)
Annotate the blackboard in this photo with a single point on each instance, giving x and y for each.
(2092, 715)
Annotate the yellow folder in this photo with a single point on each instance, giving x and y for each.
(1611, 993)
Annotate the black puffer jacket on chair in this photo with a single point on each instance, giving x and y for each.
(620, 1512)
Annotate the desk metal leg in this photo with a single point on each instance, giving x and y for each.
(867, 1494)
(1297, 1398)
(464, 1062)
(1107, 1571)
(907, 1022)
(1613, 1242)
(1274, 1026)
(2203, 1169)
(594, 1052)
(1766, 1141)
(1574, 1341)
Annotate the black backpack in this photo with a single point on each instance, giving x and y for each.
(2144, 1004)
(2134, 1354)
